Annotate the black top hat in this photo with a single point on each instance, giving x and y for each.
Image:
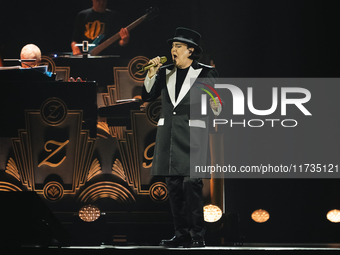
(187, 36)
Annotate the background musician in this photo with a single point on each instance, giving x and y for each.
(96, 21)
(30, 51)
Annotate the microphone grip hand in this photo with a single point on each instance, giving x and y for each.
(157, 64)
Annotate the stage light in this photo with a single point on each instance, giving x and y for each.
(334, 216)
(212, 213)
(89, 213)
(260, 216)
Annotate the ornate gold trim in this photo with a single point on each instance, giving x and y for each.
(106, 189)
(103, 126)
(146, 155)
(23, 147)
(6, 186)
(53, 191)
(135, 65)
(118, 170)
(95, 169)
(45, 161)
(12, 169)
(159, 192)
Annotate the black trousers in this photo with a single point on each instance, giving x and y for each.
(186, 201)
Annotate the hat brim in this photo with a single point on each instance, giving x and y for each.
(187, 41)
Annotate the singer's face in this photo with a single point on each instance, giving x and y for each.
(180, 54)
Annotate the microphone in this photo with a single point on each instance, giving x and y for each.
(147, 67)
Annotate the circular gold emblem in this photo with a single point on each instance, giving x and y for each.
(53, 111)
(135, 65)
(153, 111)
(53, 191)
(158, 192)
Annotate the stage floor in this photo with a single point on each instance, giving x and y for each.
(131, 249)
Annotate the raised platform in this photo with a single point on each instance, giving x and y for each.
(130, 249)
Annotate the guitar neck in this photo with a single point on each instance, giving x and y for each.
(136, 22)
(116, 37)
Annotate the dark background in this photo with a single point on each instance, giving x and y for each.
(244, 38)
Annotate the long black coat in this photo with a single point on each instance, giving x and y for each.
(178, 133)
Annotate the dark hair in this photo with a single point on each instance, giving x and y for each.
(196, 54)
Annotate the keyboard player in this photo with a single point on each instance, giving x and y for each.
(30, 51)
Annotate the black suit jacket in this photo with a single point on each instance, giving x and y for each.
(182, 139)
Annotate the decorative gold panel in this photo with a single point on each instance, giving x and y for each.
(53, 144)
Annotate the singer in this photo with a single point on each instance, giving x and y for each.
(172, 150)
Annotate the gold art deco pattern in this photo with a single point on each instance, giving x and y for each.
(135, 150)
(54, 144)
